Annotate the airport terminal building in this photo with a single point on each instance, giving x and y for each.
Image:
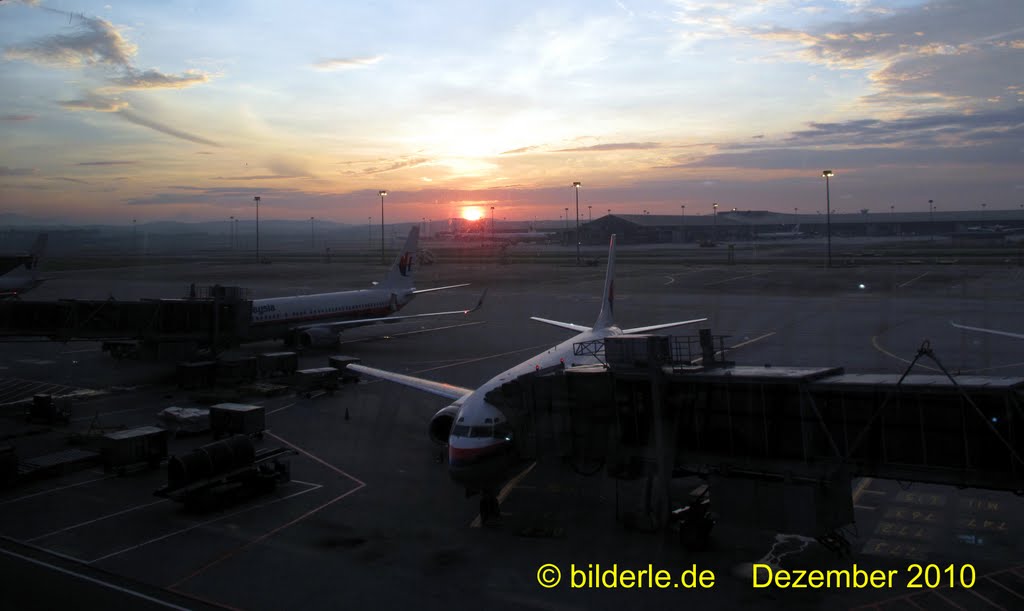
(977, 226)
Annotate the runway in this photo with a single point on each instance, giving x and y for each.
(371, 518)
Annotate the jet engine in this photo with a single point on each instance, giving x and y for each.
(441, 424)
(317, 336)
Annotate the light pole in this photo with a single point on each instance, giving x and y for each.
(369, 233)
(931, 220)
(312, 233)
(257, 199)
(590, 214)
(576, 185)
(714, 230)
(828, 219)
(382, 193)
(892, 214)
(135, 234)
(682, 223)
(492, 222)
(231, 232)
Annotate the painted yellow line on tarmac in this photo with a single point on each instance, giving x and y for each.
(506, 490)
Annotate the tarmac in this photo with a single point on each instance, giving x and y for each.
(371, 518)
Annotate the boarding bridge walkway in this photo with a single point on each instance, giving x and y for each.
(216, 318)
(657, 406)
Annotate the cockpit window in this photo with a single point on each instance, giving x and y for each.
(460, 430)
(480, 431)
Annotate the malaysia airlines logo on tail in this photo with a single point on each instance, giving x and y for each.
(405, 264)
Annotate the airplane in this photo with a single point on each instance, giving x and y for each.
(992, 331)
(478, 434)
(780, 235)
(23, 275)
(316, 320)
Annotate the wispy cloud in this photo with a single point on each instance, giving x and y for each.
(154, 79)
(397, 165)
(104, 163)
(138, 119)
(6, 171)
(258, 177)
(17, 117)
(94, 102)
(518, 151)
(613, 146)
(346, 63)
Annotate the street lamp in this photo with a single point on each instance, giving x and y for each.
(369, 232)
(682, 223)
(231, 231)
(828, 219)
(576, 185)
(492, 222)
(931, 220)
(382, 193)
(590, 214)
(257, 199)
(714, 230)
(312, 233)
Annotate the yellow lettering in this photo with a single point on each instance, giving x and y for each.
(815, 579)
(627, 579)
(768, 570)
(707, 579)
(663, 578)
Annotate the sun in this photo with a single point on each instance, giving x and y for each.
(472, 213)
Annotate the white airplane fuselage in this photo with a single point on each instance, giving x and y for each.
(274, 317)
(480, 443)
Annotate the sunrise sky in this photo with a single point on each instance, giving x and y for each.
(182, 110)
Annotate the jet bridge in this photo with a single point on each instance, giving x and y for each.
(778, 445)
(217, 318)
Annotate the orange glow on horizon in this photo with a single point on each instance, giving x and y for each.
(472, 213)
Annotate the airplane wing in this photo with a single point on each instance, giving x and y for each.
(441, 389)
(564, 325)
(662, 326)
(358, 322)
(992, 331)
(439, 288)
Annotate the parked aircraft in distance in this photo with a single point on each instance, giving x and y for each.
(22, 275)
(782, 235)
(478, 435)
(316, 320)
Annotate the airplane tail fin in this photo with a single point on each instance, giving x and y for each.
(606, 317)
(400, 274)
(37, 250)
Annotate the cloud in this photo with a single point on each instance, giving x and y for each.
(990, 138)
(74, 180)
(137, 119)
(525, 149)
(346, 63)
(397, 165)
(6, 171)
(154, 79)
(96, 42)
(94, 102)
(613, 146)
(106, 162)
(951, 53)
(258, 177)
(17, 117)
